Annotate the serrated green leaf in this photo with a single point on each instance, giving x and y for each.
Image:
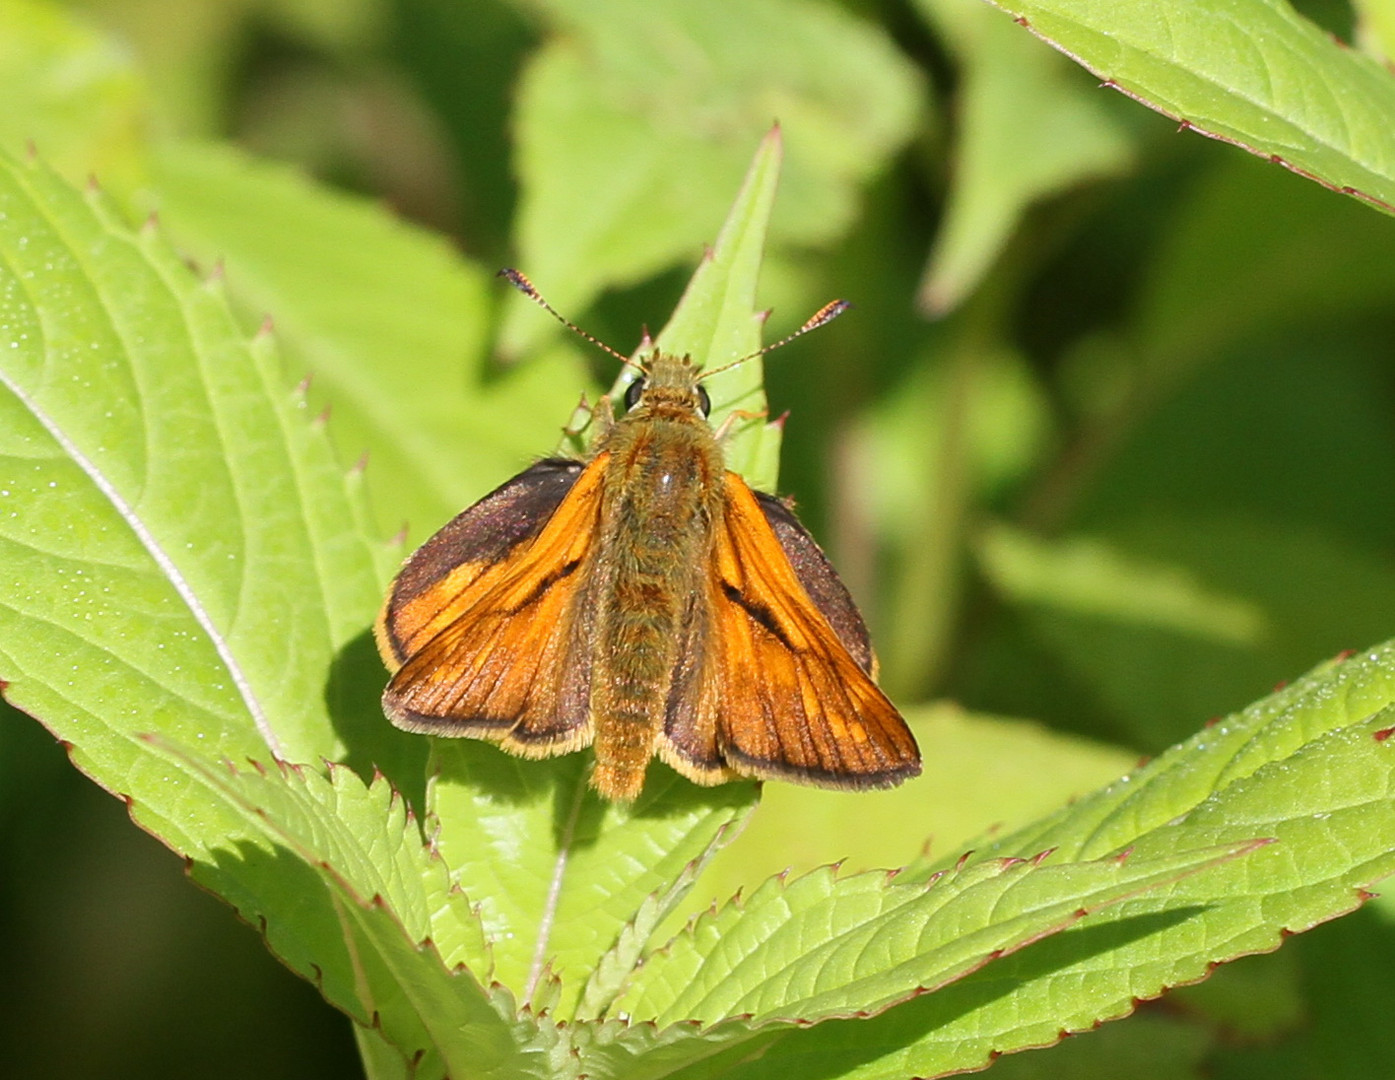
(1309, 767)
(558, 873)
(390, 323)
(818, 948)
(176, 523)
(1251, 72)
(363, 837)
(636, 120)
(337, 877)
(981, 774)
(188, 559)
(1027, 130)
(1333, 697)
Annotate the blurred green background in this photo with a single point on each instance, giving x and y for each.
(1106, 449)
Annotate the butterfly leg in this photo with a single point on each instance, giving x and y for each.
(587, 419)
(724, 429)
(602, 418)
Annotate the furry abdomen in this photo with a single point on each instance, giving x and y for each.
(663, 495)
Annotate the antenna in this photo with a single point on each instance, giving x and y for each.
(520, 282)
(822, 317)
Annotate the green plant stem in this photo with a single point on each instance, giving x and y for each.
(926, 595)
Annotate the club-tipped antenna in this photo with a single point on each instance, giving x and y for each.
(822, 317)
(520, 281)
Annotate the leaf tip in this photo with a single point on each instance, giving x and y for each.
(1383, 734)
(267, 329)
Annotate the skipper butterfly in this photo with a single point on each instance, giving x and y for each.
(643, 601)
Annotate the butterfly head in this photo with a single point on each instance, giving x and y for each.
(668, 383)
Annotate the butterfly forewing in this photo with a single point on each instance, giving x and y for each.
(501, 651)
(426, 595)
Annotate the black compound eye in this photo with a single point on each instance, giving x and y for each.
(704, 402)
(633, 393)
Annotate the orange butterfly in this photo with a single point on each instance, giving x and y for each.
(643, 601)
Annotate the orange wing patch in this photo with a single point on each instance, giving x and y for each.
(501, 651)
(779, 696)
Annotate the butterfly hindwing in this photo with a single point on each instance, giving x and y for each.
(498, 647)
